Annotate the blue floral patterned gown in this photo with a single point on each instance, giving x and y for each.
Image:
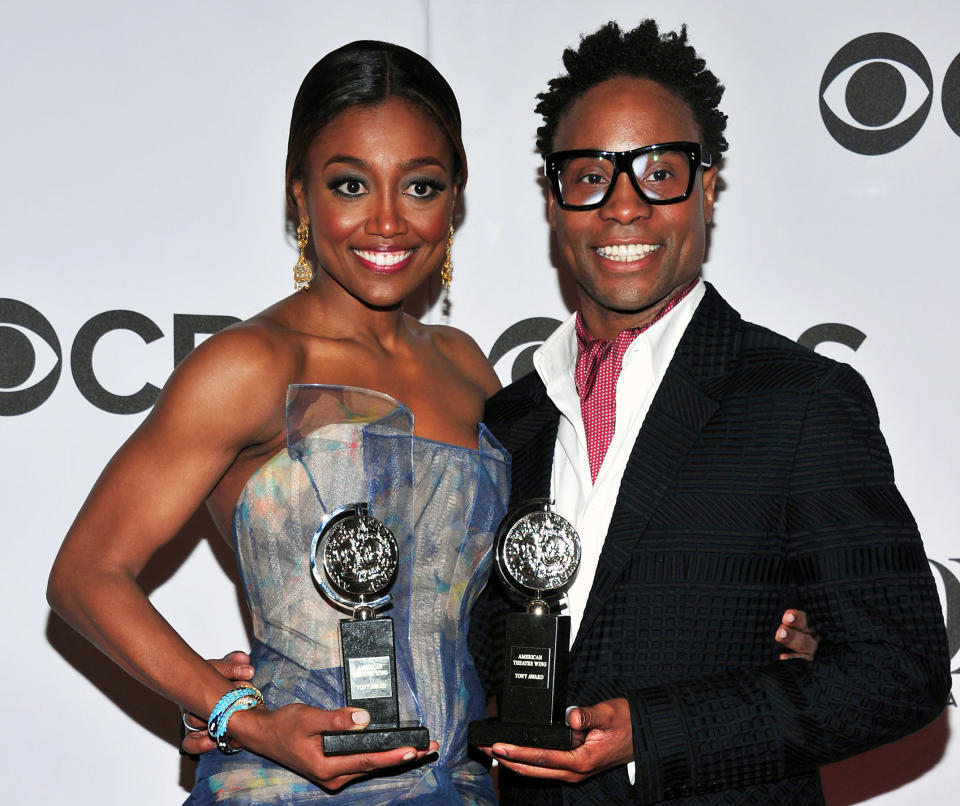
(442, 502)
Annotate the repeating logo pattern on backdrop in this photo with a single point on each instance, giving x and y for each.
(877, 92)
(31, 358)
(529, 334)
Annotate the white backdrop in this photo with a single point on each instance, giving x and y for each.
(142, 152)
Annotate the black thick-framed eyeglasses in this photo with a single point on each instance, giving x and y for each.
(664, 173)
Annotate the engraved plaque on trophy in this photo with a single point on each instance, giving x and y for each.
(537, 553)
(353, 557)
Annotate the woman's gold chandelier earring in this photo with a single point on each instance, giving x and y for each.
(302, 270)
(446, 271)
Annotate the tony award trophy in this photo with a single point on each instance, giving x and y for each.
(353, 558)
(537, 554)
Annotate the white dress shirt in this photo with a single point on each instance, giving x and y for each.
(588, 505)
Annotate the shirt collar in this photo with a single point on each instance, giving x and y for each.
(556, 359)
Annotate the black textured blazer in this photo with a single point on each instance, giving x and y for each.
(759, 481)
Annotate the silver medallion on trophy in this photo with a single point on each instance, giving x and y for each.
(354, 558)
(537, 554)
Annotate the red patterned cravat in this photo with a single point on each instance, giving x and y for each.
(598, 368)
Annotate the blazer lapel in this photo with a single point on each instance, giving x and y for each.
(678, 413)
(534, 440)
(525, 421)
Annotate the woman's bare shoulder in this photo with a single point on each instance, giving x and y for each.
(239, 376)
(253, 349)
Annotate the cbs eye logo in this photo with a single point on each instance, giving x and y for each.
(25, 335)
(528, 334)
(877, 91)
(950, 599)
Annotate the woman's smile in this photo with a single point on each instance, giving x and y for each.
(384, 261)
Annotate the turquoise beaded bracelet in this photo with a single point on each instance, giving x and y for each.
(225, 702)
(241, 698)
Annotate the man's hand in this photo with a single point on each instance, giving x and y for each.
(799, 640)
(607, 736)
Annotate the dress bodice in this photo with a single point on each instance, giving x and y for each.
(442, 503)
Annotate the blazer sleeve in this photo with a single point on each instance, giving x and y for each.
(882, 668)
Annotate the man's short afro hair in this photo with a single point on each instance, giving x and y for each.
(645, 53)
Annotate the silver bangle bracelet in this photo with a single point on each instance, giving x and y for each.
(188, 726)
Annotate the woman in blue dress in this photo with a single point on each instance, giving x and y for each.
(375, 168)
(332, 395)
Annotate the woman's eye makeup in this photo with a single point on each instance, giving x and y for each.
(424, 187)
(348, 186)
(351, 186)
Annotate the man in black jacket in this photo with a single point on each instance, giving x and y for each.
(711, 467)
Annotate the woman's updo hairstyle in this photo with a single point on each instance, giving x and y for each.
(367, 73)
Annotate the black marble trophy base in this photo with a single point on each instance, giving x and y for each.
(550, 737)
(370, 682)
(375, 740)
(534, 686)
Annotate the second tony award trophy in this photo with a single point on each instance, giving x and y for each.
(537, 554)
(353, 557)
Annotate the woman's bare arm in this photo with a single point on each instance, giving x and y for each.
(146, 493)
(227, 397)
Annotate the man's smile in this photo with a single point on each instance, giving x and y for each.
(626, 252)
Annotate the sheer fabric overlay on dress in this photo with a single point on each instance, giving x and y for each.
(443, 503)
